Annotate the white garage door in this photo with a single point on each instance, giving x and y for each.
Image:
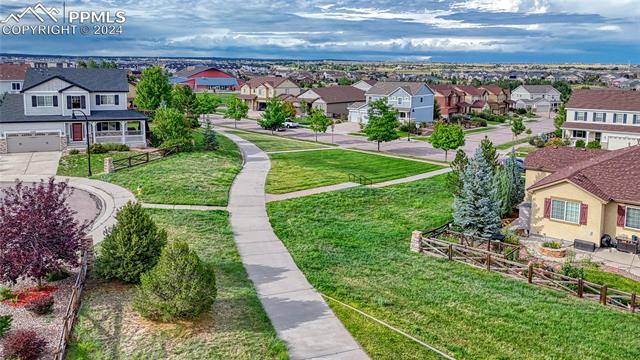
(619, 142)
(542, 108)
(34, 141)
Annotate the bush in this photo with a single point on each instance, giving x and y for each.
(594, 144)
(5, 324)
(41, 306)
(552, 245)
(105, 148)
(570, 270)
(521, 111)
(74, 152)
(580, 143)
(180, 286)
(537, 141)
(555, 142)
(98, 149)
(130, 247)
(56, 275)
(6, 294)
(23, 345)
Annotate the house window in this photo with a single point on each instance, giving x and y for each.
(108, 126)
(76, 102)
(107, 99)
(399, 101)
(598, 117)
(579, 134)
(568, 211)
(15, 86)
(632, 219)
(421, 99)
(581, 116)
(46, 101)
(598, 137)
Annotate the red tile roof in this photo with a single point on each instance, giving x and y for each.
(13, 71)
(609, 175)
(603, 99)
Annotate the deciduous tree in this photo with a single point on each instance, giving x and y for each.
(236, 110)
(290, 109)
(274, 115)
(318, 122)
(153, 89)
(446, 137)
(454, 177)
(171, 127)
(208, 103)
(517, 126)
(559, 120)
(383, 122)
(184, 100)
(436, 111)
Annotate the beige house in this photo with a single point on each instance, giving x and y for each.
(259, 90)
(333, 100)
(583, 194)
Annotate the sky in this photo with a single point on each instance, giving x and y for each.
(498, 31)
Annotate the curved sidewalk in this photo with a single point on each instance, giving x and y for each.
(298, 313)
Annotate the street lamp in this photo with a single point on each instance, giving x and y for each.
(86, 120)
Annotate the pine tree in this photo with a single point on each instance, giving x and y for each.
(454, 178)
(210, 140)
(477, 209)
(509, 185)
(489, 153)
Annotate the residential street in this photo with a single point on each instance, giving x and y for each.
(401, 146)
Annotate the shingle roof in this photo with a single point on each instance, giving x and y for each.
(494, 89)
(387, 87)
(553, 158)
(577, 125)
(605, 99)
(13, 71)
(109, 80)
(339, 94)
(12, 111)
(538, 89)
(271, 80)
(471, 90)
(610, 176)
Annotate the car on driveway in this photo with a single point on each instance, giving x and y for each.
(291, 124)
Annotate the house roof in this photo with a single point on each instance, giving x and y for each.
(13, 71)
(246, 96)
(274, 81)
(387, 87)
(577, 125)
(478, 104)
(216, 81)
(471, 90)
(356, 105)
(539, 89)
(494, 89)
(604, 99)
(339, 94)
(12, 111)
(108, 80)
(190, 71)
(609, 175)
(553, 158)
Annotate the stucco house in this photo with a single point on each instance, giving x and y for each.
(583, 193)
(498, 99)
(332, 100)
(40, 117)
(611, 117)
(12, 78)
(539, 98)
(413, 100)
(259, 90)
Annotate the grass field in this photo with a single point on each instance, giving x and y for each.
(510, 144)
(77, 165)
(193, 178)
(275, 143)
(306, 170)
(479, 129)
(236, 328)
(354, 245)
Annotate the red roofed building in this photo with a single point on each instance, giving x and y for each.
(12, 77)
(205, 79)
(584, 194)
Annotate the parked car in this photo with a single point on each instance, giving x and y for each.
(291, 124)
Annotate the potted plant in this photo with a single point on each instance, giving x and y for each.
(552, 249)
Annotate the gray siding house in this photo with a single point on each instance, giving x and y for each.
(40, 117)
(413, 100)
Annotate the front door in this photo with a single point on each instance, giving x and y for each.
(76, 132)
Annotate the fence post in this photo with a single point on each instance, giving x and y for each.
(633, 302)
(108, 165)
(129, 158)
(147, 153)
(87, 247)
(416, 237)
(488, 245)
(450, 251)
(603, 295)
(488, 262)
(530, 274)
(580, 288)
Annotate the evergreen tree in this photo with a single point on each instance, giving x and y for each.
(274, 115)
(153, 89)
(436, 111)
(318, 122)
(509, 185)
(210, 140)
(477, 208)
(559, 120)
(454, 178)
(184, 100)
(383, 122)
(489, 153)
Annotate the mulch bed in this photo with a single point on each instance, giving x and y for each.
(26, 296)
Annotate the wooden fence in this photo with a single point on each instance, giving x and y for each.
(509, 251)
(362, 180)
(72, 307)
(143, 158)
(497, 262)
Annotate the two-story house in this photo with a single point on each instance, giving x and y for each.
(412, 100)
(538, 98)
(475, 99)
(332, 100)
(259, 90)
(12, 77)
(48, 114)
(448, 99)
(499, 99)
(611, 117)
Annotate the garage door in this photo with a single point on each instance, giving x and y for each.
(619, 142)
(35, 141)
(542, 108)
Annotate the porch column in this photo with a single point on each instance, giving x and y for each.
(123, 125)
(587, 139)
(93, 131)
(143, 132)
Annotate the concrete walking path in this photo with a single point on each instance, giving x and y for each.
(300, 150)
(182, 207)
(298, 313)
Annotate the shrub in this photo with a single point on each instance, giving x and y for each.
(594, 144)
(537, 141)
(180, 286)
(171, 127)
(6, 294)
(570, 270)
(521, 111)
(58, 274)
(5, 324)
(41, 306)
(98, 149)
(555, 142)
(23, 345)
(74, 152)
(552, 244)
(209, 140)
(580, 143)
(130, 247)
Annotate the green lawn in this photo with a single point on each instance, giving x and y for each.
(595, 275)
(77, 165)
(193, 178)
(274, 142)
(236, 328)
(311, 169)
(479, 129)
(508, 145)
(353, 245)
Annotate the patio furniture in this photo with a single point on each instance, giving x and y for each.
(584, 245)
(628, 245)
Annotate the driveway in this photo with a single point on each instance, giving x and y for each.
(36, 163)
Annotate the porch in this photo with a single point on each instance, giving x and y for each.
(131, 133)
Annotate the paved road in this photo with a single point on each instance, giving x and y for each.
(298, 313)
(37, 163)
(413, 148)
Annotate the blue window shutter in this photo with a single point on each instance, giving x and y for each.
(117, 100)
(68, 102)
(604, 117)
(624, 119)
(575, 115)
(55, 101)
(34, 101)
(97, 99)
(82, 102)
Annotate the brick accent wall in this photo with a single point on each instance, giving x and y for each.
(3, 146)
(63, 143)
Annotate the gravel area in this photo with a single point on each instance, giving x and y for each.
(47, 326)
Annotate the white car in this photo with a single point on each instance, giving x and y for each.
(291, 124)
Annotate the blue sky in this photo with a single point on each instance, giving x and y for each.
(550, 31)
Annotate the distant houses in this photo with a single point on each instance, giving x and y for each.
(465, 99)
(537, 98)
(205, 79)
(12, 78)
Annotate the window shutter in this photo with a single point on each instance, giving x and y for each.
(55, 101)
(621, 214)
(624, 119)
(547, 208)
(615, 118)
(68, 102)
(585, 116)
(604, 117)
(82, 102)
(584, 212)
(97, 99)
(594, 117)
(575, 115)
(34, 101)
(117, 99)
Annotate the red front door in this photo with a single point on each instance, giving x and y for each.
(76, 132)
